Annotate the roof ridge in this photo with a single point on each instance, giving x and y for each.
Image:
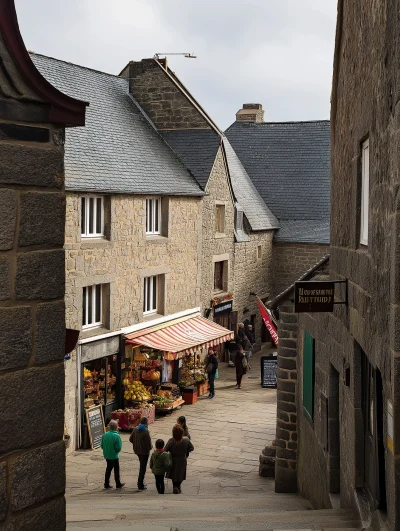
(74, 64)
(282, 122)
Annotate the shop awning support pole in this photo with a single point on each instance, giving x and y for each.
(79, 417)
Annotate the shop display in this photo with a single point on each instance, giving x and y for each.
(99, 381)
(193, 371)
(135, 391)
(129, 418)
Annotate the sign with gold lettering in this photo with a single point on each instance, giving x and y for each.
(314, 296)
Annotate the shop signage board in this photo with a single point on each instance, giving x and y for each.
(223, 307)
(95, 423)
(269, 365)
(314, 296)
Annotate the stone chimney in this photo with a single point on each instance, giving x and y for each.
(251, 112)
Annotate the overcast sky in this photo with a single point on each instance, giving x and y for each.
(275, 52)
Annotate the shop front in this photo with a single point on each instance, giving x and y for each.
(99, 380)
(174, 351)
(223, 314)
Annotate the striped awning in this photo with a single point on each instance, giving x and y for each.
(181, 336)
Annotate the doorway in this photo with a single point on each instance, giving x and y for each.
(374, 450)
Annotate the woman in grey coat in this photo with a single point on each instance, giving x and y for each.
(179, 447)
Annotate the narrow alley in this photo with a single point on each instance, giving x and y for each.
(223, 490)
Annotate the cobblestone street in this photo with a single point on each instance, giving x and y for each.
(223, 489)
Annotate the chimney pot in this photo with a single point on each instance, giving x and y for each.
(251, 112)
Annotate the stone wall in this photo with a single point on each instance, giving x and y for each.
(253, 272)
(291, 260)
(32, 321)
(216, 246)
(365, 104)
(123, 261)
(165, 103)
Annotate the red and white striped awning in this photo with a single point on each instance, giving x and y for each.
(181, 336)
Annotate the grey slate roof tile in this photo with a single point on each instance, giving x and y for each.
(117, 151)
(197, 149)
(289, 164)
(254, 207)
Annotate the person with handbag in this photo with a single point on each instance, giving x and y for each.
(241, 366)
(211, 364)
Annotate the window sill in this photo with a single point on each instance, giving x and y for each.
(91, 332)
(95, 243)
(220, 292)
(156, 238)
(152, 316)
(220, 235)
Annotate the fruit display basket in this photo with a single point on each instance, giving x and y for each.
(129, 418)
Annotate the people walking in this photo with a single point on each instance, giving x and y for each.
(241, 366)
(179, 447)
(182, 423)
(211, 364)
(141, 442)
(160, 464)
(111, 444)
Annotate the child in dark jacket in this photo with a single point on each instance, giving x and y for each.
(160, 464)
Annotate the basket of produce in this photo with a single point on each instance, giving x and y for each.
(136, 391)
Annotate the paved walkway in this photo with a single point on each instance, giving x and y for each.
(223, 489)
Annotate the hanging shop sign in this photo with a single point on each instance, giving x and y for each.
(223, 308)
(316, 296)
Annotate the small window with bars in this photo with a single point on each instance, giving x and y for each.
(92, 306)
(150, 298)
(92, 216)
(153, 216)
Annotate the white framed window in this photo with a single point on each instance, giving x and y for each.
(364, 192)
(150, 296)
(92, 216)
(92, 306)
(259, 252)
(239, 220)
(220, 219)
(153, 216)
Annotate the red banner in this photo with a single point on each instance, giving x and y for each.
(268, 322)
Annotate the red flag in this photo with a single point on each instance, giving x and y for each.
(268, 322)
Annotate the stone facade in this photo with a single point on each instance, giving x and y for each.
(351, 448)
(253, 272)
(214, 246)
(291, 260)
(122, 261)
(161, 97)
(32, 285)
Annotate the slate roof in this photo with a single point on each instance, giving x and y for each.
(289, 164)
(254, 207)
(197, 149)
(118, 151)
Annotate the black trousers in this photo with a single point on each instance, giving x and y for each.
(176, 484)
(239, 377)
(211, 379)
(112, 464)
(142, 469)
(160, 485)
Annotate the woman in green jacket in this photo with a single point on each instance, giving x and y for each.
(160, 464)
(111, 444)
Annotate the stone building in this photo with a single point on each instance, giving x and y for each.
(347, 393)
(237, 225)
(289, 165)
(129, 203)
(33, 116)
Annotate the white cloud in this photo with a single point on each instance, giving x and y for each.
(275, 52)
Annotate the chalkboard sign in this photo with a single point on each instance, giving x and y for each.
(268, 371)
(95, 423)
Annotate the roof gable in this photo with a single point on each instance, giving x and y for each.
(289, 164)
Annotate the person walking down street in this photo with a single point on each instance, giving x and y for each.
(251, 336)
(241, 332)
(111, 444)
(211, 364)
(179, 447)
(160, 463)
(182, 423)
(141, 442)
(241, 367)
